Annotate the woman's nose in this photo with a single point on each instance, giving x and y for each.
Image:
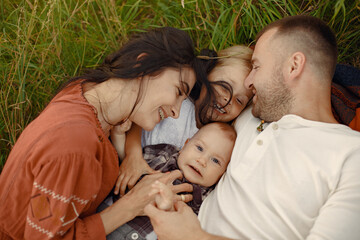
(175, 110)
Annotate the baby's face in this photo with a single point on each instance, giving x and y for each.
(205, 157)
(234, 75)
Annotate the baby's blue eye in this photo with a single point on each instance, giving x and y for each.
(199, 148)
(215, 161)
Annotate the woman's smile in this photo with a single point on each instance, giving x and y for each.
(162, 114)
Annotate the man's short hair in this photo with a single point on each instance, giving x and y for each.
(311, 36)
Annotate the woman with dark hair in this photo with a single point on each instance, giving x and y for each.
(63, 164)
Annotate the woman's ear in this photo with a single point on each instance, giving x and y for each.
(140, 56)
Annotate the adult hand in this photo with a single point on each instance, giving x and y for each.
(165, 197)
(142, 193)
(178, 225)
(131, 169)
(132, 204)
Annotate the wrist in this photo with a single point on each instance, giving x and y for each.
(133, 151)
(116, 215)
(203, 235)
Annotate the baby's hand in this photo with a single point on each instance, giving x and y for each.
(164, 197)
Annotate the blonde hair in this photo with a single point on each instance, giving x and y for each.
(237, 54)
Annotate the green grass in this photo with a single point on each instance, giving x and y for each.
(43, 43)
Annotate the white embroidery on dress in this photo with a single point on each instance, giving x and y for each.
(58, 196)
(61, 233)
(72, 220)
(38, 228)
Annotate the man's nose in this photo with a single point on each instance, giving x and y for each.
(248, 82)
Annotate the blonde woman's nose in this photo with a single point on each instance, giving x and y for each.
(227, 100)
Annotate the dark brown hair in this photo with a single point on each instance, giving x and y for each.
(159, 49)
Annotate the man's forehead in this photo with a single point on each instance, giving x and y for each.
(262, 46)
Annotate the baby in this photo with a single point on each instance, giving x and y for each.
(202, 160)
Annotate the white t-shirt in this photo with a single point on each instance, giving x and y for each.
(298, 179)
(173, 131)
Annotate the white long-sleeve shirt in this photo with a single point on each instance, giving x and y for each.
(298, 179)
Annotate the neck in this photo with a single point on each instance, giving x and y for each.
(113, 100)
(319, 113)
(314, 103)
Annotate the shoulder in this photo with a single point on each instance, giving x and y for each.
(67, 134)
(246, 121)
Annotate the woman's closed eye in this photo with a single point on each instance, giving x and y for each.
(180, 93)
(255, 67)
(239, 101)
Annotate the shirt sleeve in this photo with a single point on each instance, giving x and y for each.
(340, 216)
(63, 189)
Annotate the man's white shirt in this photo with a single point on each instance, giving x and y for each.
(296, 179)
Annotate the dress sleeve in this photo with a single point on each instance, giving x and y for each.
(63, 189)
(340, 216)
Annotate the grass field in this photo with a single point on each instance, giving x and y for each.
(43, 43)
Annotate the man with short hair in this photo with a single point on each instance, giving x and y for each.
(294, 171)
